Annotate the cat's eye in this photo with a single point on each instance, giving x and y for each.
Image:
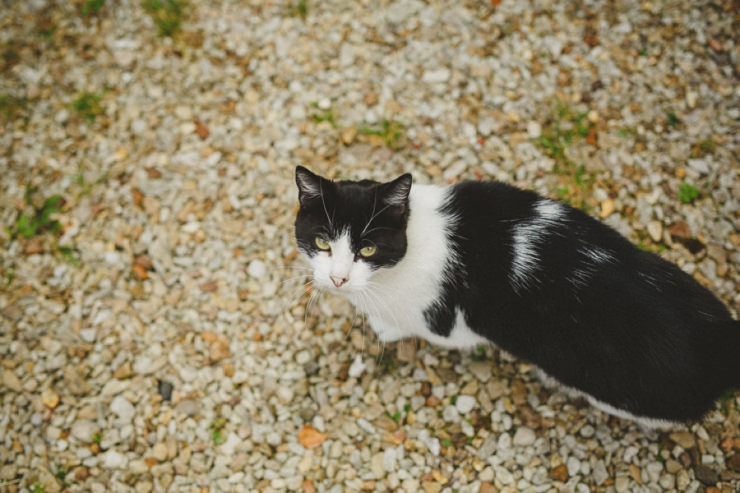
(368, 251)
(322, 243)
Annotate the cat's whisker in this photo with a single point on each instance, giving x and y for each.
(289, 279)
(296, 295)
(397, 325)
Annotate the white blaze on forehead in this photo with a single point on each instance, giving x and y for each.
(342, 256)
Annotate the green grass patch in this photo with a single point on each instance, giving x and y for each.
(390, 133)
(565, 128)
(11, 106)
(299, 8)
(40, 220)
(387, 365)
(38, 488)
(318, 115)
(673, 120)
(687, 193)
(446, 442)
(480, 353)
(97, 438)
(87, 105)
(92, 7)
(168, 15)
(217, 430)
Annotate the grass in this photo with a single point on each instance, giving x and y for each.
(386, 364)
(38, 488)
(480, 353)
(11, 106)
(687, 193)
(92, 7)
(566, 127)
(673, 120)
(319, 115)
(299, 8)
(97, 438)
(217, 429)
(87, 105)
(390, 133)
(168, 15)
(726, 401)
(9, 276)
(446, 442)
(40, 220)
(60, 473)
(702, 148)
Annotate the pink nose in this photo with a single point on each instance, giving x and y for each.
(338, 281)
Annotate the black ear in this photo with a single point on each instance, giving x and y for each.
(396, 192)
(309, 185)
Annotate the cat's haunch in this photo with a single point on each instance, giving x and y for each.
(484, 262)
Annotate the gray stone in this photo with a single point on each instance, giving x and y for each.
(84, 430)
(123, 409)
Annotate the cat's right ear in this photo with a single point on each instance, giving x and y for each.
(309, 185)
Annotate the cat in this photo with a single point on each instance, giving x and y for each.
(485, 262)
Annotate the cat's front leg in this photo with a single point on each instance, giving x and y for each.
(388, 332)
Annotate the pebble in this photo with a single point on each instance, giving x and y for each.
(574, 466)
(683, 438)
(84, 430)
(11, 381)
(114, 460)
(257, 269)
(465, 403)
(524, 437)
(123, 409)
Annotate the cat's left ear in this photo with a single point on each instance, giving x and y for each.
(396, 192)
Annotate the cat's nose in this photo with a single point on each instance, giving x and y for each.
(338, 281)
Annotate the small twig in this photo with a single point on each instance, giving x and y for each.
(8, 483)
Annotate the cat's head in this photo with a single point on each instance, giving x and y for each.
(349, 230)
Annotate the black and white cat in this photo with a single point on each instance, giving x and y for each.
(484, 262)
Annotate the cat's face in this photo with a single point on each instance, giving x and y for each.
(349, 230)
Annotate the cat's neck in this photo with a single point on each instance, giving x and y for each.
(428, 248)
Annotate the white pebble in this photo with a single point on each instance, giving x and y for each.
(465, 403)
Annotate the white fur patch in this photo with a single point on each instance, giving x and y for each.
(527, 238)
(649, 423)
(396, 298)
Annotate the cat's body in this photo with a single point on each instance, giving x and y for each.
(485, 262)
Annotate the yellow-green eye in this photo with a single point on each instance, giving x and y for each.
(322, 243)
(368, 251)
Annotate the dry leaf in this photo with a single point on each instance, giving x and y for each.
(310, 437)
(139, 272)
(201, 130)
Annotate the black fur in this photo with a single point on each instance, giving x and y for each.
(639, 334)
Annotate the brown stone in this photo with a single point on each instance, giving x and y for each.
(139, 272)
(123, 371)
(487, 488)
(219, 350)
(49, 398)
(406, 351)
(560, 473)
(733, 463)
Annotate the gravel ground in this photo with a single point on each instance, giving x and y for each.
(154, 333)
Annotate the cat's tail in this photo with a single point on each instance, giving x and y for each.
(722, 347)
